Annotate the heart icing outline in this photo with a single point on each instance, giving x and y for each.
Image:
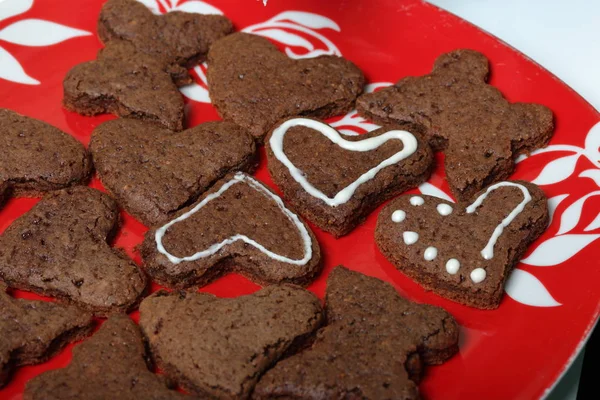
(276, 142)
(238, 178)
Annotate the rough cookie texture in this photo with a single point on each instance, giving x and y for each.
(153, 172)
(374, 346)
(480, 132)
(33, 331)
(462, 236)
(37, 157)
(236, 205)
(330, 168)
(254, 85)
(218, 348)
(59, 248)
(109, 365)
(177, 40)
(125, 82)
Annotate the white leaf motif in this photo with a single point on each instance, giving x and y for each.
(592, 140)
(557, 170)
(38, 32)
(11, 70)
(286, 38)
(307, 19)
(195, 92)
(198, 7)
(595, 224)
(10, 8)
(430, 190)
(152, 5)
(593, 174)
(572, 214)
(559, 249)
(553, 203)
(527, 289)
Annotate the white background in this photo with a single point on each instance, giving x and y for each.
(562, 36)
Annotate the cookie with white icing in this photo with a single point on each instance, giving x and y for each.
(375, 345)
(335, 181)
(255, 85)
(219, 347)
(154, 172)
(239, 225)
(464, 252)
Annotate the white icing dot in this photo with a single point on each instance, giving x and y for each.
(410, 237)
(417, 201)
(444, 209)
(430, 253)
(452, 266)
(478, 275)
(398, 216)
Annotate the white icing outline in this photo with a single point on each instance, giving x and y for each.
(276, 142)
(239, 177)
(488, 251)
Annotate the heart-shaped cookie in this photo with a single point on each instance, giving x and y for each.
(59, 248)
(37, 157)
(480, 132)
(178, 40)
(463, 252)
(336, 181)
(374, 346)
(239, 225)
(218, 348)
(33, 331)
(109, 365)
(153, 172)
(255, 85)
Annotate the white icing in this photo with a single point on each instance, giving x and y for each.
(276, 142)
(452, 266)
(410, 237)
(478, 275)
(398, 216)
(488, 251)
(238, 178)
(444, 209)
(417, 201)
(430, 253)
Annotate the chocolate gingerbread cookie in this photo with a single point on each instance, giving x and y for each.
(126, 82)
(153, 172)
(479, 131)
(255, 85)
(239, 225)
(464, 252)
(218, 348)
(109, 365)
(37, 157)
(375, 345)
(59, 248)
(33, 331)
(335, 181)
(177, 40)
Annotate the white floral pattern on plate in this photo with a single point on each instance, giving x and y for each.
(30, 32)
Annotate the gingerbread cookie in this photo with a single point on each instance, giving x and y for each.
(336, 181)
(237, 226)
(154, 172)
(37, 157)
(255, 85)
(178, 40)
(59, 248)
(463, 252)
(109, 365)
(374, 346)
(125, 82)
(480, 132)
(218, 348)
(33, 331)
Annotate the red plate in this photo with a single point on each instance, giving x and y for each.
(516, 351)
